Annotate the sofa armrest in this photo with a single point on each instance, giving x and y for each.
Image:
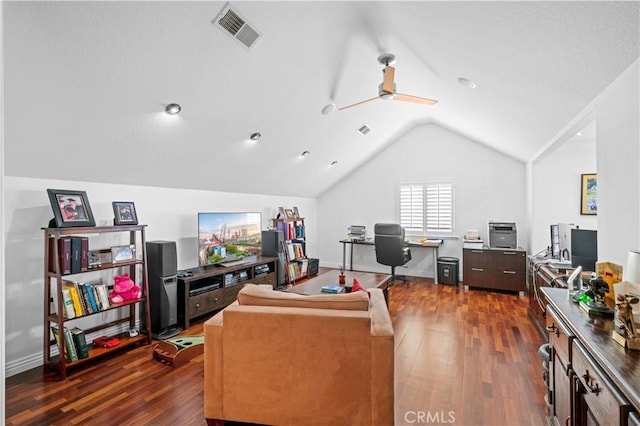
(213, 381)
(382, 360)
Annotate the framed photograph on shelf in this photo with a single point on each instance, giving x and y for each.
(296, 213)
(94, 259)
(122, 253)
(589, 194)
(70, 208)
(281, 214)
(124, 213)
(289, 213)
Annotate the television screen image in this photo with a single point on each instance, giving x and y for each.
(228, 237)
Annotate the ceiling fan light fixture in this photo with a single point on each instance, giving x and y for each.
(173, 109)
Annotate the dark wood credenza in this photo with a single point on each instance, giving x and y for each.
(594, 380)
(212, 288)
(495, 269)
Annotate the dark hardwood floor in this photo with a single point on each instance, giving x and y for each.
(462, 357)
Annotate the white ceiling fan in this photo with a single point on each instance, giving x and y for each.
(387, 89)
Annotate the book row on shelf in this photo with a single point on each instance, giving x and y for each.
(291, 230)
(74, 341)
(74, 255)
(298, 269)
(84, 298)
(295, 249)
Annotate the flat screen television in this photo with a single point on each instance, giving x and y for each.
(228, 237)
(584, 249)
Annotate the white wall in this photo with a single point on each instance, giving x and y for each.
(556, 190)
(617, 162)
(171, 214)
(618, 157)
(488, 186)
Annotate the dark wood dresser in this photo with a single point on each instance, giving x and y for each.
(594, 380)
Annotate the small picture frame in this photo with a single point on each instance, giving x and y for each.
(122, 253)
(70, 208)
(281, 214)
(124, 213)
(94, 259)
(289, 213)
(296, 213)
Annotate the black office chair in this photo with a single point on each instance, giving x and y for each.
(390, 246)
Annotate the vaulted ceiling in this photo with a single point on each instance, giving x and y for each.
(86, 84)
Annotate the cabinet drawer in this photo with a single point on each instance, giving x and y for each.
(231, 293)
(559, 337)
(511, 260)
(266, 279)
(475, 276)
(509, 279)
(604, 402)
(475, 257)
(206, 302)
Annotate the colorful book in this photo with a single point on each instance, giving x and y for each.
(331, 289)
(104, 296)
(80, 342)
(75, 297)
(64, 255)
(69, 346)
(92, 297)
(70, 353)
(69, 311)
(85, 297)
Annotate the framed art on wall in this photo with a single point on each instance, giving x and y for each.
(589, 194)
(70, 208)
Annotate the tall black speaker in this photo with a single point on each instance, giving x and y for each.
(272, 246)
(162, 268)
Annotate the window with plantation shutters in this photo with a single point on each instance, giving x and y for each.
(439, 209)
(412, 207)
(426, 208)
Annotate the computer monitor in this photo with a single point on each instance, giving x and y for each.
(564, 240)
(584, 247)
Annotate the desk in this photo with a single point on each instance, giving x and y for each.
(433, 244)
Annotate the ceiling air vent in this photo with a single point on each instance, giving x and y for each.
(236, 27)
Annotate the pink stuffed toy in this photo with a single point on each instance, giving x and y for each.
(124, 289)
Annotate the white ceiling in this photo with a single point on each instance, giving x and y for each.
(88, 81)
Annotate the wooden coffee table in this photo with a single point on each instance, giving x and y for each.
(366, 280)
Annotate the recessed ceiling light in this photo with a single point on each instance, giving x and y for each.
(328, 108)
(334, 162)
(305, 154)
(173, 109)
(255, 136)
(364, 129)
(466, 82)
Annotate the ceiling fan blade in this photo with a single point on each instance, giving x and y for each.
(358, 103)
(387, 83)
(414, 99)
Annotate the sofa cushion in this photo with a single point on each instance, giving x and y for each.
(252, 294)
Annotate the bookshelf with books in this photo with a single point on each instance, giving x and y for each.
(294, 247)
(74, 288)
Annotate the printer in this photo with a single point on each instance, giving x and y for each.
(502, 235)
